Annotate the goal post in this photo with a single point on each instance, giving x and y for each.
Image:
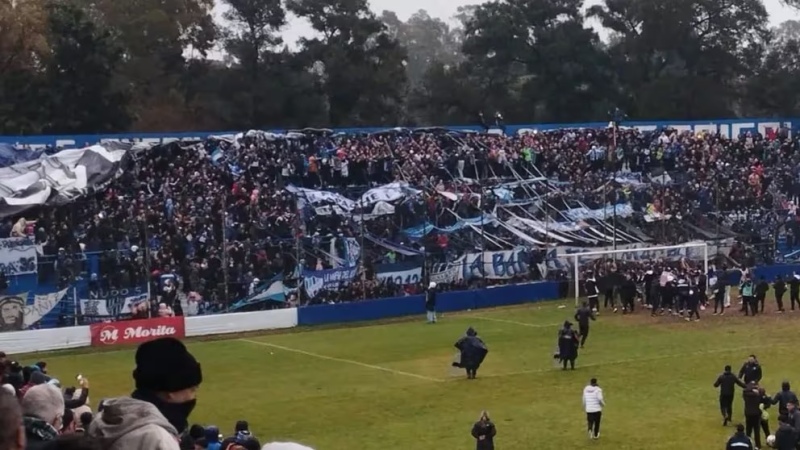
(658, 252)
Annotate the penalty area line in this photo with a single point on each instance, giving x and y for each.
(342, 360)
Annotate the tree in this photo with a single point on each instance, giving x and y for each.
(23, 45)
(361, 67)
(155, 34)
(684, 58)
(79, 75)
(538, 59)
(427, 41)
(774, 87)
(251, 40)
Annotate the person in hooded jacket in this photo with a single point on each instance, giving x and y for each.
(593, 403)
(784, 397)
(785, 435)
(43, 412)
(484, 432)
(473, 352)
(568, 343)
(157, 412)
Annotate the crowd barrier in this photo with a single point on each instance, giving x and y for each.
(135, 331)
(445, 302)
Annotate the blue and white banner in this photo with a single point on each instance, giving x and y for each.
(315, 197)
(113, 302)
(495, 265)
(352, 251)
(18, 314)
(387, 193)
(622, 210)
(18, 256)
(401, 277)
(319, 280)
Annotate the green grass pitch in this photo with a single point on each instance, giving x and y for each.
(389, 386)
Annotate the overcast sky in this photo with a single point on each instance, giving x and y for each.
(446, 9)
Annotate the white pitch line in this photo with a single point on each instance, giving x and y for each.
(633, 360)
(342, 360)
(514, 322)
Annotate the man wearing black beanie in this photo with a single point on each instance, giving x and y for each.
(157, 412)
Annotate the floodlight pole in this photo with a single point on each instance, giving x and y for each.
(576, 271)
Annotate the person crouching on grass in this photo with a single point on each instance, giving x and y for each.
(484, 432)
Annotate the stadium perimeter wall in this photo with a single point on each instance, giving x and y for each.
(30, 341)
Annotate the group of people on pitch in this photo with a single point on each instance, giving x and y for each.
(756, 409)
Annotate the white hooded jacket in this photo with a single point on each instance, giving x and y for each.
(593, 399)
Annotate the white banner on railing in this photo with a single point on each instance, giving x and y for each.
(496, 265)
(18, 256)
(401, 277)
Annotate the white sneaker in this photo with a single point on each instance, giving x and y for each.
(591, 435)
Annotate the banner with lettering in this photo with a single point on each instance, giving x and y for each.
(316, 281)
(112, 302)
(387, 193)
(400, 277)
(638, 252)
(18, 256)
(502, 264)
(16, 314)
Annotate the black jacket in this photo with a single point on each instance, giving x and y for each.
(583, 316)
(782, 398)
(750, 372)
(739, 439)
(727, 382)
(785, 437)
(752, 402)
(591, 288)
(430, 300)
(487, 430)
(794, 285)
(780, 287)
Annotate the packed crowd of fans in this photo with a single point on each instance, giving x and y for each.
(217, 215)
(36, 414)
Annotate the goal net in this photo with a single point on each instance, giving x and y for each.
(608, 266)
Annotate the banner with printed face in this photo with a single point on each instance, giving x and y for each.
(18, 256)
(316, 281)
(113, 302)
(16, 314)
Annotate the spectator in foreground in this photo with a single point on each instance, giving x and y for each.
(157, 412)
(43, 412)
(12, 430)
(739, 440)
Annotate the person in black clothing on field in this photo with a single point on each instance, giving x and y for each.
(785, 438)
(583, 316)
(762, 287)
(794, 290)
(784, 397)
(484, 432)
(780, 289)
(752, 412)
(727, 382)
(719, 298)
(739, 441)
(627, 292)
(751, 370)
(568, 342)
(592, 292)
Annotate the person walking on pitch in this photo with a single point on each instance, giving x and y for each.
(752, 412)
(751, 370)
(592, 292)
(593, 403)
(568, 343)
(583, 316)
(780, 290)
(794, 290)
(727, 382)
(430, 302)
